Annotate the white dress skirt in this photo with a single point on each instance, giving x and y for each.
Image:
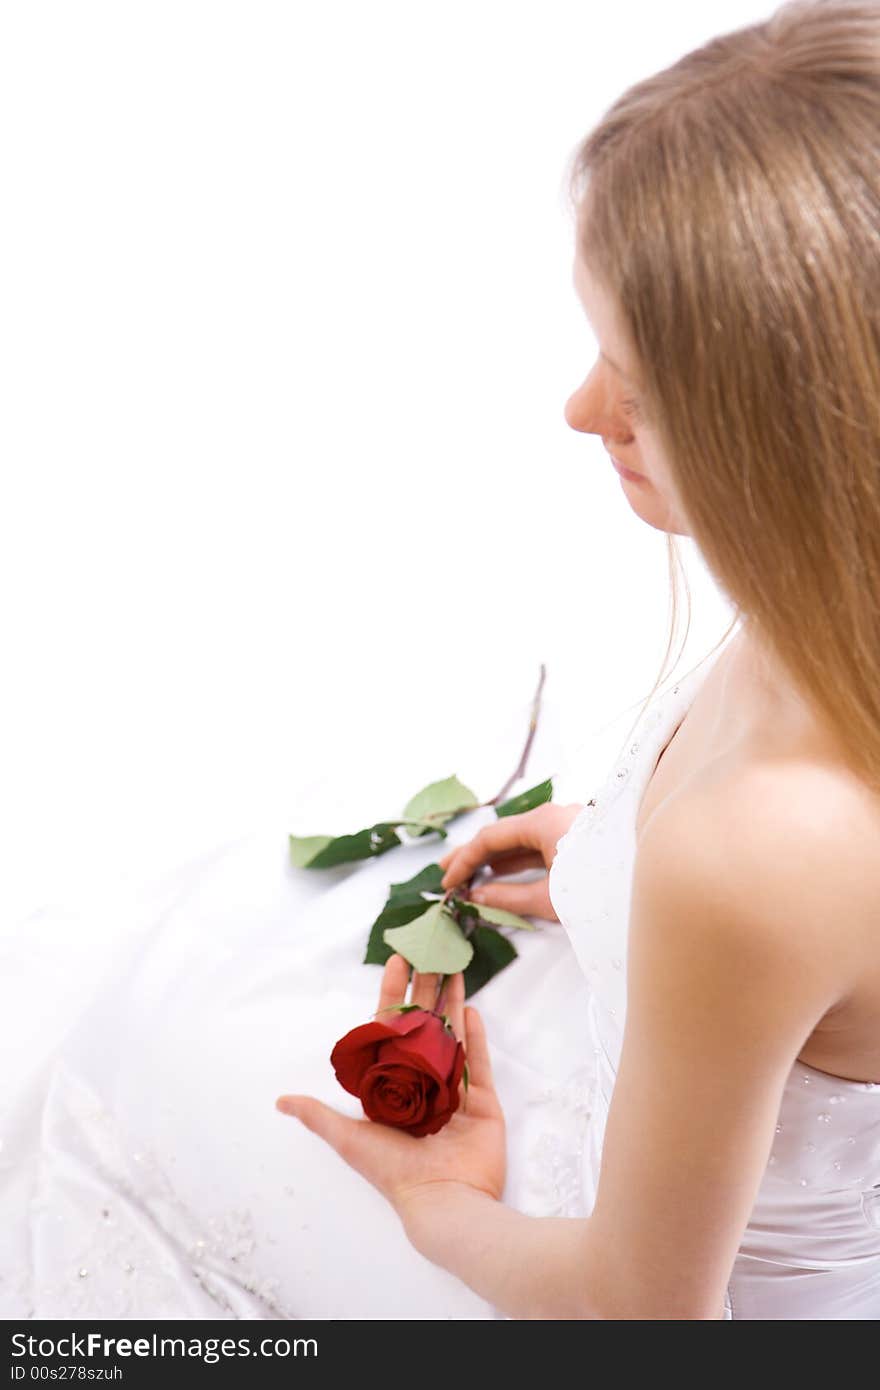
(145, 1172)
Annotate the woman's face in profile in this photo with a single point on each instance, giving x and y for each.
(607, 403)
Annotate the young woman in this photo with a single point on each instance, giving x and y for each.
(726, 257)
(688, 1124)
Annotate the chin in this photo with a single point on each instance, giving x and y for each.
(655, 509)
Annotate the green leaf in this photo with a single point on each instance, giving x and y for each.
(423, 827)
(432, 942)
(323, 851)
(527, 801)
(492, 952)
(440, 801)
(466, 1077)
(304, 848)
(399, 1008)
(498, 917)
(494, 916)
(404, 902)
(465, 908)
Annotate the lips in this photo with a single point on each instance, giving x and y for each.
(621, 467)
(618, 463)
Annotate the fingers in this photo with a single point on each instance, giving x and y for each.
(477, 1049)
(509, 833)
(340, 1131)
(395, 979)
(526, 899)
(516, 861)
(424, 991)
(453, 1005)
(362, 1144)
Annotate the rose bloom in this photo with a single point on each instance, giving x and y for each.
(405, 1069)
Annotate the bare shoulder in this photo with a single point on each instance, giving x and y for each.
(777, 852)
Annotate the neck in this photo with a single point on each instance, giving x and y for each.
(775, 698)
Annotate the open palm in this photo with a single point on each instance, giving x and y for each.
(470, 1149)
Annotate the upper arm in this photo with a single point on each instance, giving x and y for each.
(723, 989)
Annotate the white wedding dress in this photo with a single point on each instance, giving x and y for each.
(145, 1173)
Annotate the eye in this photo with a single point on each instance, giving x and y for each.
(630, 407)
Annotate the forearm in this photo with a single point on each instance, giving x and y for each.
(529, 1267)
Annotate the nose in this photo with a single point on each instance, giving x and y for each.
(592, 408)
(577, 410)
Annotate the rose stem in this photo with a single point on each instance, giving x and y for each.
(441, 990)
(499, 796)
(524, 758)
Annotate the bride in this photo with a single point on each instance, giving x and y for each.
(674, 1101)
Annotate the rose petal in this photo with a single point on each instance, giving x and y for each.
(433, 1123)
(430, 1047)
(405, 1068)
(394, 1096)
(356, 1051)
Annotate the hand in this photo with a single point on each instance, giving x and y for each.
(509, 845)
(470, 1150)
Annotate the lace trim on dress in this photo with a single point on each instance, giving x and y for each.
(555, 1164)
(145, 1251)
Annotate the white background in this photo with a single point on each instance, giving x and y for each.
(291, 515)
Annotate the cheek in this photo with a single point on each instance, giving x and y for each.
(663, 491)
(653, 464)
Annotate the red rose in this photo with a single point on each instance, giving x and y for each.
(405, 1068)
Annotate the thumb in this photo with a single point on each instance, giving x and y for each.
(366, 1147)
(338, 1130)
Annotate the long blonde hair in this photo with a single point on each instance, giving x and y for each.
(731, 205)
